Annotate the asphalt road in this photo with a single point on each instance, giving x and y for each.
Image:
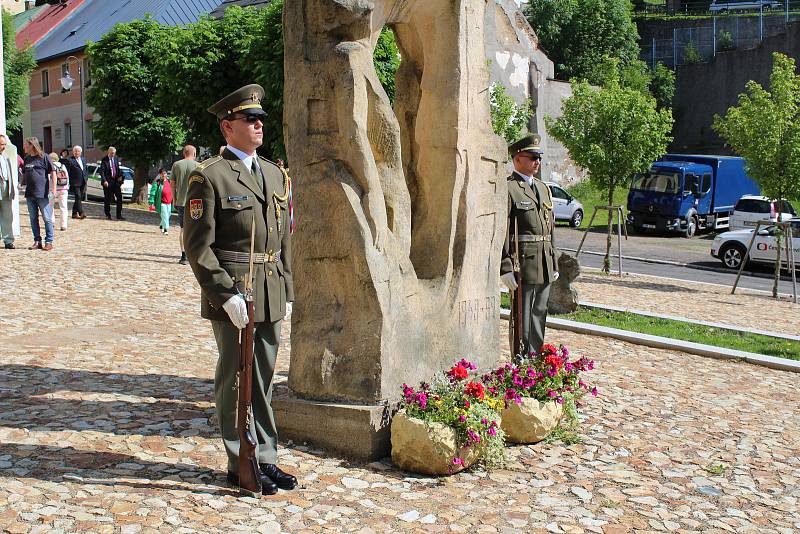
(669, 257)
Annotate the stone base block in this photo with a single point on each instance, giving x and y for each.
(357, 431)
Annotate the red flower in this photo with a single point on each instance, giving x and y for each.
(548, 349)
(554, 361)
(458, 373)
(475, 390)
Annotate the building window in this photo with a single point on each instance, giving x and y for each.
(45, 83)
(87, 72)
(89, 134)
(67, 135)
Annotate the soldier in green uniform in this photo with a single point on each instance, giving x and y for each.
(530, 212)
(226, 196)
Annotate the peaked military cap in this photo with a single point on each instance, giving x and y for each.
(246, 100)
(529, 143)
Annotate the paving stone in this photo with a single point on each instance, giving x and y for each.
(107, 418)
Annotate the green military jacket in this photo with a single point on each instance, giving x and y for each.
(222, 199)
(532, 208)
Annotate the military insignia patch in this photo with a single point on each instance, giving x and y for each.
(196, 208)
(196, 178)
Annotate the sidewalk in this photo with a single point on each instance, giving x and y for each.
(106, 420)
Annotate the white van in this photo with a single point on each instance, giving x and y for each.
(752, 208)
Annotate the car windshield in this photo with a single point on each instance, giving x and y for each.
(128, 174)
(658, 182)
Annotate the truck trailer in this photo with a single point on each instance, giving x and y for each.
(685, 193)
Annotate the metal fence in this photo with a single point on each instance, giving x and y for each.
(714, 34)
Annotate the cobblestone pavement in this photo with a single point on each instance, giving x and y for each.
(106, 424)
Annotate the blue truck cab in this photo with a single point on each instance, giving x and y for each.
(686, 193)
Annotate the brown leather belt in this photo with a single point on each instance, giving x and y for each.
(244, 257)
(533, 238)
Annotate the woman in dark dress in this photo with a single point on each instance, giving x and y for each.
(39, 179)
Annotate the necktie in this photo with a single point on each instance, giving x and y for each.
(113, 168)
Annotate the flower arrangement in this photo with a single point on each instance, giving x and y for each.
(462, 402)
(546, 376)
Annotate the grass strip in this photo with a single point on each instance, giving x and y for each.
(683, 330)
(591, 197)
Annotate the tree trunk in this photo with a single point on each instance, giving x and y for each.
(607, 259)
(140, 185)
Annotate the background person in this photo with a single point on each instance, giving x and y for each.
(161, 199)
(179, 178)
(40, 188)
(76, 167)
(8, 192)
(112, 179)
(62, 188)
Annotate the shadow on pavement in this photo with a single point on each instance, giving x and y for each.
(611, 280)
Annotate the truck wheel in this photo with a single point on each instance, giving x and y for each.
(732, 255)
(691, 227)
(577, 219)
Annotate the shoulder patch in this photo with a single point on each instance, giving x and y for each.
(196, 178)
(208, 162)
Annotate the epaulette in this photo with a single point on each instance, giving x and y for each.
(208, 163)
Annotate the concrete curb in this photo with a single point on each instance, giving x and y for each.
(659, 342)
(778, 335)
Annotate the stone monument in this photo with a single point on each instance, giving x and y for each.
(400, 211)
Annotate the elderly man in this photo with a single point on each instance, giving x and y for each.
(234, 202)
(179, 180)
(112, 179)
(531, 224)
(8, 191)
(76, 167)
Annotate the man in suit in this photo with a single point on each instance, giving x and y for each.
(530, 213)
(8, 191)
(112, 179)
(76, 167)
(227, 197)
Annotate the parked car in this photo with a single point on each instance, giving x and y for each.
(565, 207)
(730, 247)
(94, 186)
(753, 208)
(749, 5)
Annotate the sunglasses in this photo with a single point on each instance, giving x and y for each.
(250, 119)
(533, 157)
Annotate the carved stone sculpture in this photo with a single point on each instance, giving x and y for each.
(563, 296)
(396, 253)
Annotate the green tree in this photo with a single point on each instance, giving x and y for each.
(765, 130)
(17, 68)
(123, 85)
(612, 132)
(691, 55)
(205, 61)
(508, 119)
(576, 34)
(658, 82)
(387, 61)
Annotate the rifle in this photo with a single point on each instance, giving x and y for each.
(516, 298)
(249, 473)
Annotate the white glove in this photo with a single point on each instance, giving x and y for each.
(509, 281)
(555, 276)
(288, 308)
(236, 308)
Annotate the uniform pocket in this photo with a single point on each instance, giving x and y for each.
(523, 205)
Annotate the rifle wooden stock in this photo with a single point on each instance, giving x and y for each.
(249, 473)
(516, 298)
(249, 477)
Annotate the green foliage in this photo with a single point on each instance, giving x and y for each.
(765, 130)
(209, 59)
(662, 86)
(508, 119)
(17, 68)
(725, 41)
(387, 61)
(123, 84)
(576, 34)
(613, 133)
(660, 82)
(691, 55)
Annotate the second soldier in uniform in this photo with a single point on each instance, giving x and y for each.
(530, 212)
(226, 196)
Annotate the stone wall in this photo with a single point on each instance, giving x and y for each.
(708, 89)
(517, 62)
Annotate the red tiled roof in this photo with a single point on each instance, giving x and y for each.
(45, 21)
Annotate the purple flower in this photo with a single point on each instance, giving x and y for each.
(458, 461)
(422, 400)
(552, 394)
(510, 393)
(462, 418)
(484, 421)
(594, 392)
(492, 432)
(560, 400)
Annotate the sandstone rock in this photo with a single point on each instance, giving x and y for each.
(530, 421)
(563, 296)
(427, 448)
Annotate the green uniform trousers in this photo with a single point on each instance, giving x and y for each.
(266, 338)
(534, 317)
